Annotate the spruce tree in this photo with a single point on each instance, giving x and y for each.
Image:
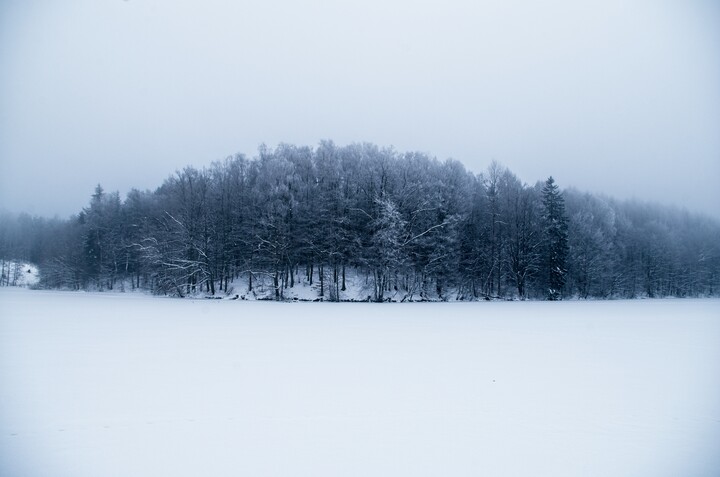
(556, 240)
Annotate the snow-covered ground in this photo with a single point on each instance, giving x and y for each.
(18, 274)
(95, 384)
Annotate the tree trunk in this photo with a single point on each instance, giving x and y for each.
(343, 278)
(321, 276)
(276, 283)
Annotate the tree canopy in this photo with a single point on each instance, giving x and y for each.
(415, 227)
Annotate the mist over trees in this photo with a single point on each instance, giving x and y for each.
(413, 227)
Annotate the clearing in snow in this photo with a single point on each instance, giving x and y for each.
(95, 384)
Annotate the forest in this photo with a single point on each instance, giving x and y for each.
(413, 228)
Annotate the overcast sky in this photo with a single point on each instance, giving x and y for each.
(613, 96)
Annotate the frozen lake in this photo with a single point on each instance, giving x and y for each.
(130, 385)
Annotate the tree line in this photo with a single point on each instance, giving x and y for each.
(416, 228)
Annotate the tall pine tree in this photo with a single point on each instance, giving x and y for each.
(556, 240)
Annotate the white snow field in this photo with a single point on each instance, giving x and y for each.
(95, 384)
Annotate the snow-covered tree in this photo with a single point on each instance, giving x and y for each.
(411, 225)
(555, 234)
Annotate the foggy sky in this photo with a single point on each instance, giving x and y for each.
(607, 96)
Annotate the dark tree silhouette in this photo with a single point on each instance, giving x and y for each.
(555, 234)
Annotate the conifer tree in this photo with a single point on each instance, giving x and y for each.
(556, 240)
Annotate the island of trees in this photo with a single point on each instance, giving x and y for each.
(409, 226)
